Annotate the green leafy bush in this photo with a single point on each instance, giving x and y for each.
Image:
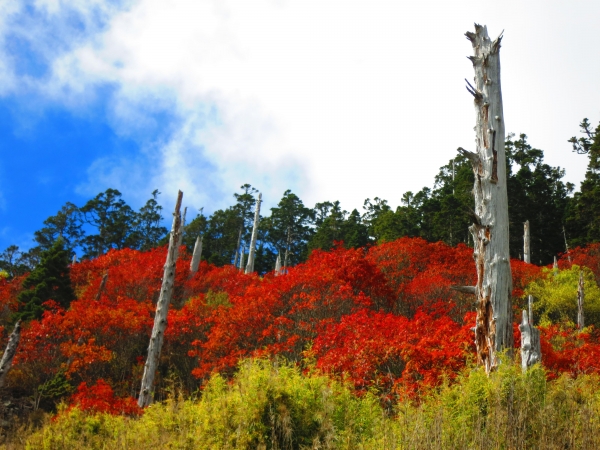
(556, 295)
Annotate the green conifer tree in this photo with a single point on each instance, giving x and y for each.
(50, 280)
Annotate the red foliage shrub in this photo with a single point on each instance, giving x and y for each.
(100, 398)
(386, 317)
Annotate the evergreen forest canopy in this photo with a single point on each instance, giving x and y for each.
(536, 192)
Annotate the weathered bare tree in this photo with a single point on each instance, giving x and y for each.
(493, 330)
(9, 352)
(252, 251)
(531, 350)
(278, 265)
(102, 286)
(196, 256)
(162, 308)
(527, 259)
(580, 300)
(242, 259)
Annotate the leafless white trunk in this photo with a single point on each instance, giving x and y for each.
(9, 352)
(580, 300)
(252, 251)
(526, 244)
(567, 246)
(181, 228)
(527, 259)
(162, 308)
(493, 330)
(237, 249)
(278, 265)
(531, 350)
(196, 256)
(530, 343)
(242, 259)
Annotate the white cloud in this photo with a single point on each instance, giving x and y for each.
(336, 100)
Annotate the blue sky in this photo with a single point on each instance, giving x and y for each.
(334, 100)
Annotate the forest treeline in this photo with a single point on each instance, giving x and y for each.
(559, 216)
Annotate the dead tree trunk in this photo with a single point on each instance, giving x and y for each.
(526, 243)
(527, 259)
(567, 246)
(278, 265)
(196, 256)
(580, 300)
(237, 249)
(530, 343)
(9, 352)
(531, 350)
(181, 228)
(102, 286)
(252, 251)
(493, 330)
(162, 308)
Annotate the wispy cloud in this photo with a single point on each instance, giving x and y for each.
(336, 101)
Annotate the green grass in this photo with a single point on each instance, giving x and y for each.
(270, 405)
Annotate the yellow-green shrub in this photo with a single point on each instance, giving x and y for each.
(556, 295)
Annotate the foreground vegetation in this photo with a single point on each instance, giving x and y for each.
(272, 405)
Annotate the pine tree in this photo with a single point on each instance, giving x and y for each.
(50, 280)
(583, 220)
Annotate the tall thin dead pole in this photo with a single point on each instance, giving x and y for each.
(102, 286)
(251, 253)
(567, 246)
(196, 256)
(531, 350)
(493, 329)
(580, 300)
(242, 259)
(182, 227)
(237, 249)
(162, 309)
(527, 259)
(9, 352)
(278, 265)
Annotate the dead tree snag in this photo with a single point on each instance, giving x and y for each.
(162, 309)
(493, 330)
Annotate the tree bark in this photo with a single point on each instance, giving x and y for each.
(102, 286)
(493, 330)
(242, 259)
(252, 251)
(237, 249)
(567, 246)
(531, 350)
(526, 243)
(530, 343)
(580, 300)
(527, 259)
(9, 352)
(181, 228)
(162, 309)
(196, 256)
(278, 265)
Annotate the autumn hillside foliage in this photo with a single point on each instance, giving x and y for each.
(383, 321)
